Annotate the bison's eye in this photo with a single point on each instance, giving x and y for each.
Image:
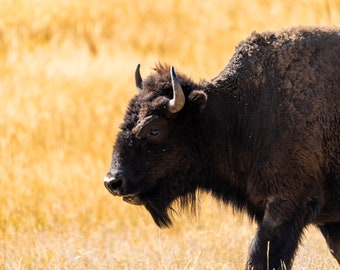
(154, 130)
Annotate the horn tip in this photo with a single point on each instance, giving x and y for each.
(138, 78)
(172, 72)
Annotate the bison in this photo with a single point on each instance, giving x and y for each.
(264, 136)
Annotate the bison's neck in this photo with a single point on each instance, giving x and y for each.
(228, 157)
(228, 138)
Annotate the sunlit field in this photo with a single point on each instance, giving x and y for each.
(66, 75)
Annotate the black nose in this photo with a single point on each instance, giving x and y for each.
(114, 183)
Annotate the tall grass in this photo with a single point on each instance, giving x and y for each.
(66, 75)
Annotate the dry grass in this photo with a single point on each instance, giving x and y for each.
(66, 74)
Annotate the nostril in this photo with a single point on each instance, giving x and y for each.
(114, 184)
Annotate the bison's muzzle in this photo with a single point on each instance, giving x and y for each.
(114, 184)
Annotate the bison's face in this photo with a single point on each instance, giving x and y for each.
(153, 159)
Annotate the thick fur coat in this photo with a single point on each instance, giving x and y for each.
(264, 135)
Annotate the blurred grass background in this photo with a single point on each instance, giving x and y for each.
(66, 75)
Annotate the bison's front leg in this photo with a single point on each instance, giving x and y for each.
(277, 239)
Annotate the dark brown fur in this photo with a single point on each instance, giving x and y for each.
(264, 135)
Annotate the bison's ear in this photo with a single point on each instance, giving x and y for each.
(198, 99)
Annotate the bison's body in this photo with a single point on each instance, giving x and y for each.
(264, 135)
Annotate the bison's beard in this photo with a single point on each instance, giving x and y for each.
(159, 212)
(161, 209)
(178, 191)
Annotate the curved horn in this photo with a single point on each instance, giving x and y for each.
(138, 78)
(177, 102)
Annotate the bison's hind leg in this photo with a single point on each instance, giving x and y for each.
(331, 232)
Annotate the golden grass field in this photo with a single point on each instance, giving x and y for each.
(66, 75)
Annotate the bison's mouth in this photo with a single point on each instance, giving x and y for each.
(133, 199)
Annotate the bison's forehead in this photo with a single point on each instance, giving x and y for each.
(142, 106)
(159, 83)
(154, 96)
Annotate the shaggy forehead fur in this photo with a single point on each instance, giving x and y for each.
(155, 94)
(159, 82)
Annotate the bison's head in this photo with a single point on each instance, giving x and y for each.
(156, 158)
